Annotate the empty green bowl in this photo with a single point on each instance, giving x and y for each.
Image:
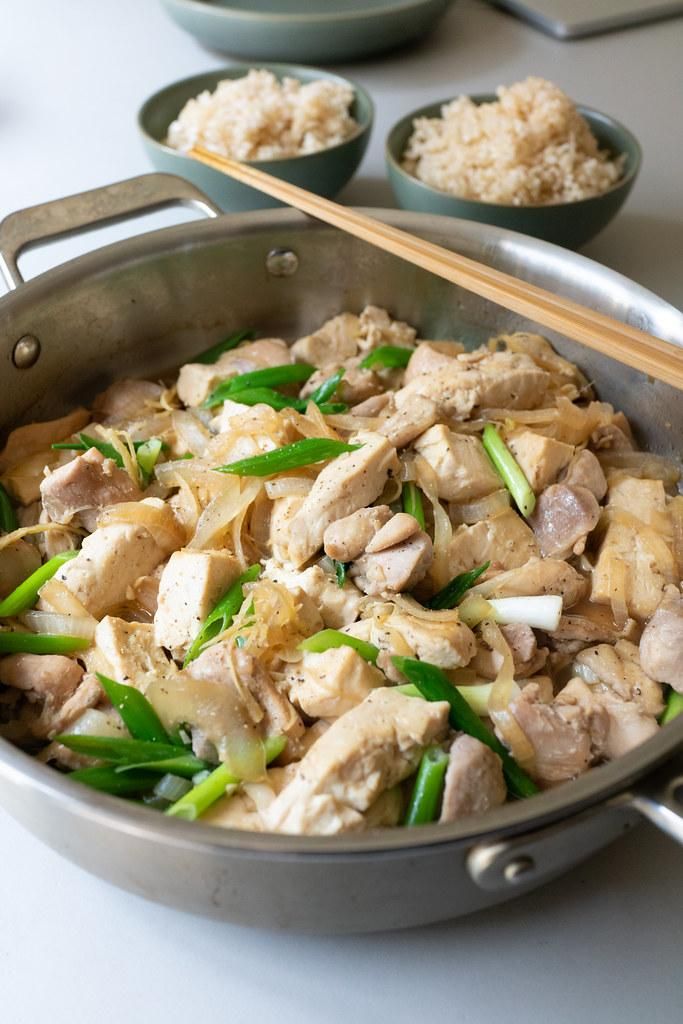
(325, 172)
(569, 224)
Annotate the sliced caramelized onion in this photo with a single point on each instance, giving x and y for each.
(503, 691)
(214, 522)
(28, 531)
(154, 515)
(122, 443)
(676, 510)
(57, 596)
(645, 465)
(407, 604)
(443, 531)
(286, 486)
(483, 508)
(60, 625)
(192, 434)
(618, 591)
(251, 488)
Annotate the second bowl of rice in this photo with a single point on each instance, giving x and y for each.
(525, 158)
(304, 125)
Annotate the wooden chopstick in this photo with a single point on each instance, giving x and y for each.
(626, 344)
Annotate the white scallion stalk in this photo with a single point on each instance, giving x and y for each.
(540, 612)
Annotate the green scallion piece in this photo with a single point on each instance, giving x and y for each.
(673, 707)
(25, 595)
(291, 456)
(411, 498)
(425, 800)
(137, 714)
(339, 572)
(108, 780)
(8, 518)
(389, 356)
(86, 442)
(211, 789)
(509, 470)
(270, 377)
(434, 685)
(327, 389)
(276, 400)
(328, 638)
(453, 593)
(222, 615)
(211, 355)
(41, 643)
(147, 454)
(126, 752)
(186, 766)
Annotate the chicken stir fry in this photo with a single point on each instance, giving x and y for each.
(359, 581)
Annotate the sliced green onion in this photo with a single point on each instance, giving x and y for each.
(339, 572)
(108, 780)
(24, 596)
(222, 614)
(425, 799)
(477, 695)
(123, 751)
(453, 593)
(211, 355)
(86, 442)
(434, 685)
(270, 377)
(509, 470)
(411, 498)
(542, 611)
(276, 400)
(170, 788)
(147, 455)
(673, 708)
(8, 518)
(136, 712)
(41, 643)
(387, 355)
(184, 765)
(291, 456)
(328, 638)
(328, 387)
(211, 789)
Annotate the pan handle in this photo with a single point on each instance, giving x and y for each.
(110, 204)
(659, 798)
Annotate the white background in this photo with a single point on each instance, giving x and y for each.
(602, 944)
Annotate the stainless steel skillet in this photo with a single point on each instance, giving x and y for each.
(146, 304)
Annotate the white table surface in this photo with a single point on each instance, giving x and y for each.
(603, 943)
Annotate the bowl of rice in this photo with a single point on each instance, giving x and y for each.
(304, 125)
(525, 158)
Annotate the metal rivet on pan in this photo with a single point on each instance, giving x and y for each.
(518, 867)
(282, 262)
(26, 352)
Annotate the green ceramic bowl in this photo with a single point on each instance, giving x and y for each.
(325, 172)
(568, 224)
(310, 31)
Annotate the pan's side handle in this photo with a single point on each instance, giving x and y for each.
(659, 798)
(110, 204)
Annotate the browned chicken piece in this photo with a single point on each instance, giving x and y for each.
(474, 780)
(504, 540)
(584, 470)
(350, 482)
(37, 437)
(282, 512)
(126, 400)
(661, 645)
(636, 552)
(197, 380)
(377, 328)
(375, 405)
(562, 733)
(90, 481)
(191, 584)
(53, 683)
(563, 518)
(541, 458)
(430, 356)
(223, 662)
(537, 576)
(329, 684)
(338, 606)
(373, 747)
(615, 434)
(462, 468)
(336, 340)
(17, 561)
(394, 569)
(445, 642)
(399, 528)
(527, 657)
(594, 628)
(544, 355)
(347, 538)
(408, 421)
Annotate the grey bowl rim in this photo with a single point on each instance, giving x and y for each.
(169, 151)
(231, 13)
(604, 784)
(488, 97)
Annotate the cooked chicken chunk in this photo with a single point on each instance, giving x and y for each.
(396, 568)
(329, 684)
(527, 657)
(377, 328)
(365, 752)
(584, 470)
(445, 642)
(409, 420)
(399, 528)
(90, 481)
(35, 438)
(462, 468)
(350, 482)
(51, 682)
(474, 780)
(504, 540)
(130, 651)
(661, 645)
(430, 356)
(126, 400)
(348, 538)
(110, 560)
(541, 458)
(197, 380)
(191, 584)
(17, 561)
(335, 341)
(338, 606)
(537, 576)
(563, 518)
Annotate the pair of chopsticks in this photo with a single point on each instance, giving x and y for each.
(619, 341)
